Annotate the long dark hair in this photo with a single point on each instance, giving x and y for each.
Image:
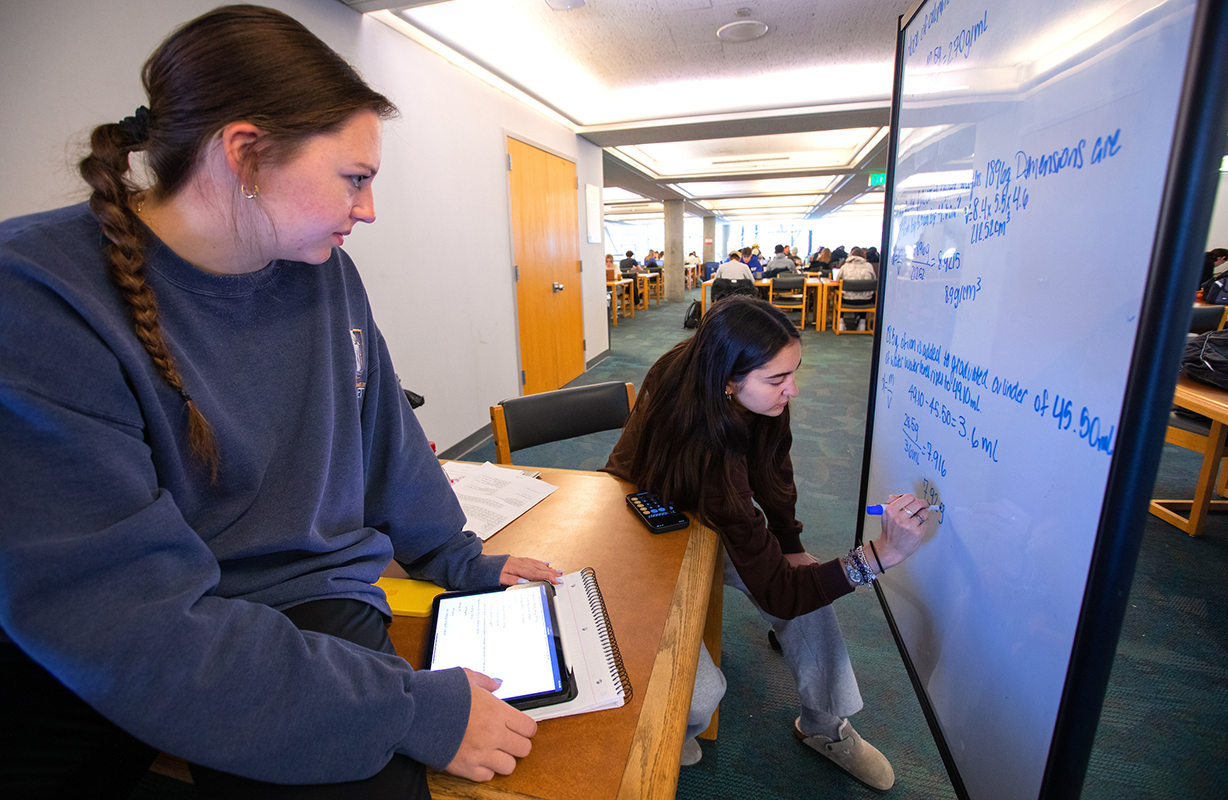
(235, 63)
(691, 432)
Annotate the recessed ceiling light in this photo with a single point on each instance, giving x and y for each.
(743, 30)
(565, 5)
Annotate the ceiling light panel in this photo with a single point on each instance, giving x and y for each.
(615, 194)
(782, 152)
(751, 188)
(764, 202)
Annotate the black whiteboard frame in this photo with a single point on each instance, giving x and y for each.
(1164, 318)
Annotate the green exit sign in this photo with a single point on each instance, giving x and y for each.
(878, 178)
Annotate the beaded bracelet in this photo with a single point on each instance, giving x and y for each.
(858, 568)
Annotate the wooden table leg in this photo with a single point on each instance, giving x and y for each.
(712, 628)
(1202, 504)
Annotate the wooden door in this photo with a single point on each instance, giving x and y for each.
(545, 247)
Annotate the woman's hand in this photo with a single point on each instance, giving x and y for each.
(495, 736)
(904, 521)
(528, 568)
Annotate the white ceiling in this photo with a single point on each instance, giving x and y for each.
(800, 112)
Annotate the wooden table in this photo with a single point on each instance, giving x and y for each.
(622, 295)
(823, 287)
(1213, 403)
(662, 591)
(692, 275)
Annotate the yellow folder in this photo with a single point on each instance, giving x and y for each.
(409, 598)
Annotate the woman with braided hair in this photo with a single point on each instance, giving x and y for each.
(207, 458)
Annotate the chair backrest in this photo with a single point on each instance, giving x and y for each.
(788, 283)
(723, 287)
(867, 285)
(534, 419)
(1207, 318)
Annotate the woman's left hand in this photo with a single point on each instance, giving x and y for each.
(528, 568)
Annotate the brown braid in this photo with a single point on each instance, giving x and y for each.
(111, 201)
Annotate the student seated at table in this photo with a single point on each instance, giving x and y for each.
(856, 268)
(733, 269)
(208, 459)
(629, 264)
(780, 263)
(710, 434)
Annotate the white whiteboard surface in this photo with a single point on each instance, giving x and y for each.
(1033, 144)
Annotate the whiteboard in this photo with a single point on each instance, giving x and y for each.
(1030, 150)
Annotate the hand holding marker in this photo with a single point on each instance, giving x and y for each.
(877, 511)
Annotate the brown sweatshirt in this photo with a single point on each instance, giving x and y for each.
(756, 541)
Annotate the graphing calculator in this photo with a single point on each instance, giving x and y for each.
(655, 514)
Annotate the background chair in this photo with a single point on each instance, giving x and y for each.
(868, 306)
(723, 287)
(788, 293)
(1208, 318)
(534, 419)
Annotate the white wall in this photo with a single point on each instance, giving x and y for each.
(1217, 235)
(437, 264)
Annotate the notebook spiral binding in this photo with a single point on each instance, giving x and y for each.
(609, 646)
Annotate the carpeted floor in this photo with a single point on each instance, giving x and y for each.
(1164, 729)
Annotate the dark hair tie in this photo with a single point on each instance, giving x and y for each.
(137, 126)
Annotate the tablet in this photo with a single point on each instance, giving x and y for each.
(506, 632)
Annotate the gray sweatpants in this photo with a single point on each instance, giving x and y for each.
(814, 652)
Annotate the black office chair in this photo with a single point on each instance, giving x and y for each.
(1207, 318)
(723, 287)
(534, 419)
(868, 306)
(788, 293)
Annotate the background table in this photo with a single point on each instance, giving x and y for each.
(1213, 403)
(623, 299)
(657, 590)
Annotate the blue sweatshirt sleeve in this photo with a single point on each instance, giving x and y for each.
(426, 524)
(105, 584)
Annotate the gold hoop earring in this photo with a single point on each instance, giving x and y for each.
(255, 191)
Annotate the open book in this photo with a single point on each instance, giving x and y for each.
(589, 648)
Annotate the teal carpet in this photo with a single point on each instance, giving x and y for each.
(1164, 729)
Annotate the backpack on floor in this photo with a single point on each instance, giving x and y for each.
(693, 315)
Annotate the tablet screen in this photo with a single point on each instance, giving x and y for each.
(510, 634)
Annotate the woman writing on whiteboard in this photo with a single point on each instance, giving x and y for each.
(710, 434)
(208, 459)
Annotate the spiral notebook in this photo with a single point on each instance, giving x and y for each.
(589, 648)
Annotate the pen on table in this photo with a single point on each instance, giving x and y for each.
(878, 510)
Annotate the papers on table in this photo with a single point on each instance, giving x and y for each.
(492, 496)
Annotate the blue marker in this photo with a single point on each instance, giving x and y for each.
(878, 510)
